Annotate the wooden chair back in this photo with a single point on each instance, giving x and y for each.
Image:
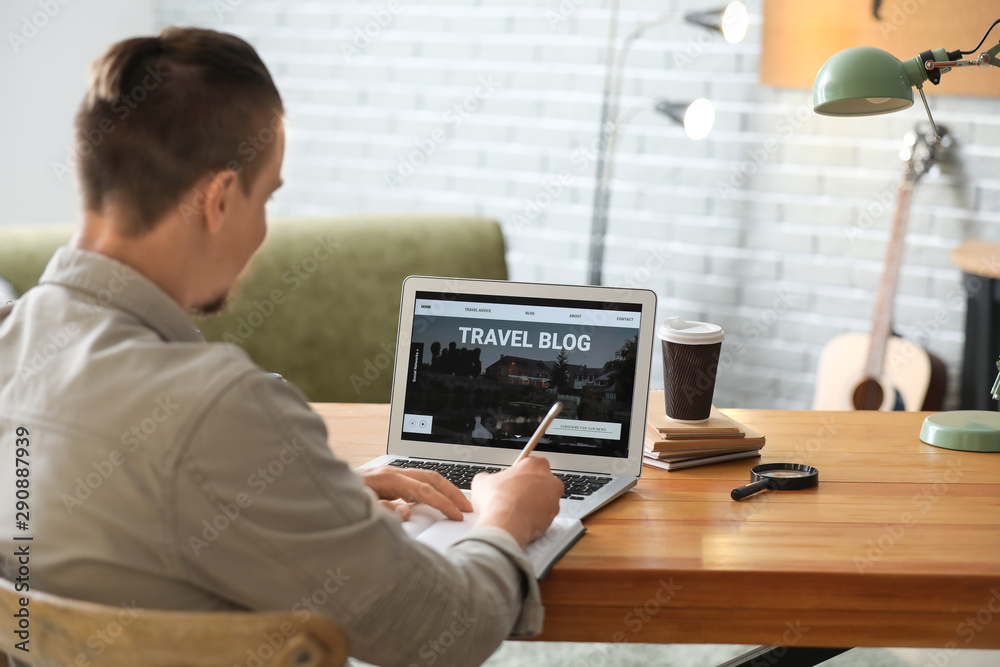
(70, 632)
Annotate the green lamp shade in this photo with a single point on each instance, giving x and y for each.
(861, 81)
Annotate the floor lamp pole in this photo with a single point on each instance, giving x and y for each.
(599, 222)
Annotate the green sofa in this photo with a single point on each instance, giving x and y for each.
(319, 303)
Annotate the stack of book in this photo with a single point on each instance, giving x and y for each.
(672, 445)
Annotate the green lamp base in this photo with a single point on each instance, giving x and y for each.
(964, 430)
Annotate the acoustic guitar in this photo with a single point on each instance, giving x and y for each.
(880, 370)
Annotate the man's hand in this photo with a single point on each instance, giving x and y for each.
(522, 499)
(397, 487)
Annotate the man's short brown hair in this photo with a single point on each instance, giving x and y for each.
(163, 112)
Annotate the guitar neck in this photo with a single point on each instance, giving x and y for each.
(882, 317)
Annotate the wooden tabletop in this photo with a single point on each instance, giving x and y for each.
(898, 546)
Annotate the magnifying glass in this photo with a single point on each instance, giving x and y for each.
(781, 476)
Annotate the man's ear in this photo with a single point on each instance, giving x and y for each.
(218, 196)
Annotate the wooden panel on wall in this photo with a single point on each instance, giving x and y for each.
(800, 36)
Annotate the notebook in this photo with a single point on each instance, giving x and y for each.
(430, 526)
(480, 362)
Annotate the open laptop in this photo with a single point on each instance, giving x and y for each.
(480, 362)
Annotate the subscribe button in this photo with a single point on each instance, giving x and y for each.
(417, 423)
(581, 428)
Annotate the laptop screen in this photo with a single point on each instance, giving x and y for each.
(484, 370)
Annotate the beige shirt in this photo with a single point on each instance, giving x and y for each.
(171, 473)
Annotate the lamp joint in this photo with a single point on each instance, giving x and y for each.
(933, 74)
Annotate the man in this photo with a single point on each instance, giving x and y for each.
(166, 472)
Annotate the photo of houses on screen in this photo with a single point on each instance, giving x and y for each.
(490, 382)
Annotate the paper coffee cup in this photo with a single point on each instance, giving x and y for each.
(690, 363)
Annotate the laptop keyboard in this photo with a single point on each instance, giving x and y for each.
(461, 474)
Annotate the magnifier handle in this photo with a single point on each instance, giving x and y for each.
(750, 489)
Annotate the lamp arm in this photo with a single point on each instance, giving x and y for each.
(623, 120)
(931, 64)
(622, 55)
(953, 59)
(990, 56)
(985, 59)
(930, 118)
(641, 29)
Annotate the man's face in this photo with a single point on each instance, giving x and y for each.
(244, 234)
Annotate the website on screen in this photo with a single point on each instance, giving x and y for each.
(484, 371)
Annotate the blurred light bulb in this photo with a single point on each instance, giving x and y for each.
(735, 21)
(877, 100)
(699, 119)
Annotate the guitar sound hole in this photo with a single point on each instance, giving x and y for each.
(868, 395)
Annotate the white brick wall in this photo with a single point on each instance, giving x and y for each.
(766, 216)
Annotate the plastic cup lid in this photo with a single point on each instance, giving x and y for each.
(677, 330)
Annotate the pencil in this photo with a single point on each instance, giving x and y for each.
(539, 432)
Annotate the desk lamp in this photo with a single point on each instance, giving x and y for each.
(865, 81)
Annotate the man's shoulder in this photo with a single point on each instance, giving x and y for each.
(91, 366)
(200, 358)
(196, 370)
